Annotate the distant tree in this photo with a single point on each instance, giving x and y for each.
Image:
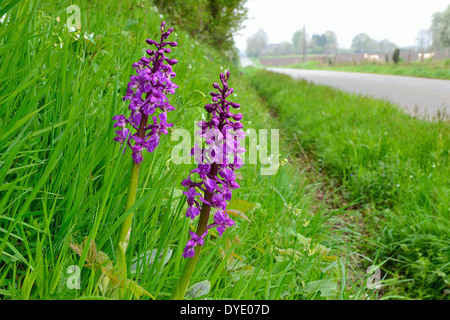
(331, 44)
(423, 39)
(440, 29)
(396, 55)
(363, 43)
(359, 42)
(318, 43)
(297, 41)
(256, 43)
(385, 46)
(284, 48)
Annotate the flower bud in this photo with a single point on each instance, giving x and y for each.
(145, 60)
(237, 116)
(237, 125)
(172, 61)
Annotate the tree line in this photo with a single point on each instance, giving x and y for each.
(258, 44)
(434, 38)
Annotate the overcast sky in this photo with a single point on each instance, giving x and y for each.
(396, 20)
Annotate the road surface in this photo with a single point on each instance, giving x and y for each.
(418, 96)
(246, 62)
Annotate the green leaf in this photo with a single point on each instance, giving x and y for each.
(8, 7)
(199, 289)
(240, 205)
(136, 289)
(95, 259)
(237, 213)
(148, 258)
(326, 287)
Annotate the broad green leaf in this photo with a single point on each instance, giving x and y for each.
(240, 205)
(237, 213)
(199, 289)
(147, 258)
(326, 287)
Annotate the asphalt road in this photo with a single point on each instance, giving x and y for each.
(418, 96)
(245, 62)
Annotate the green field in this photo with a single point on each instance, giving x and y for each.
(430, 68)
(371, 186)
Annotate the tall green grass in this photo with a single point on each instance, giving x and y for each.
(64, 179)
(396, 166)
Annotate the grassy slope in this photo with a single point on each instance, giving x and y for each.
(63, 178)
(396, 165)
(439, 69)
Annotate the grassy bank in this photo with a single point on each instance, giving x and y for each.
(63, 178)
(396, 166)
(438, 69)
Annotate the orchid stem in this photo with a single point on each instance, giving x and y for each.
(125, 229)
(183, 282)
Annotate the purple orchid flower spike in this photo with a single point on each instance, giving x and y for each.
(217, 162)
(147, 92)
(210, 185)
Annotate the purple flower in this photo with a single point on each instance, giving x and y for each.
(217, 162)
(222, 221)
(191, 193)
(189, 250)
(122, 135)
(147, 92)
(151, 143)
(218, 201)
(192, 212)
(202, 170)
(121, 121)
